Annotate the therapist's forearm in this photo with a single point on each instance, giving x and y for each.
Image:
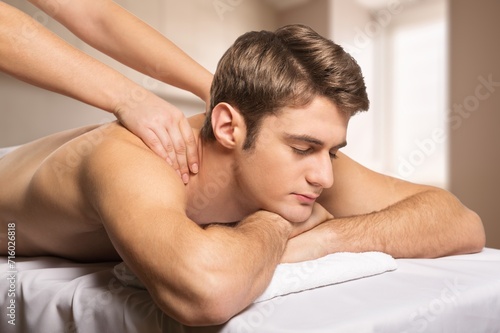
(30, 52)
(119, 34)
(428, 224)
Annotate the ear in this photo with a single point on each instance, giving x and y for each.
(228, 125)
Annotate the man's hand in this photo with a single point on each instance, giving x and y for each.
(309, 239)
(164, 129)
(318, 216)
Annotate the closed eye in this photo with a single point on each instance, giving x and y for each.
(333, 156)
(317, 145)
(311, 150)
(302, 151)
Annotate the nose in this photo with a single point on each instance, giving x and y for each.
(321, 172)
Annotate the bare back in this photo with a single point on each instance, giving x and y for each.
(42, 194)
(45, 190)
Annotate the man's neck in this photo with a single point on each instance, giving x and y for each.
(213, 193)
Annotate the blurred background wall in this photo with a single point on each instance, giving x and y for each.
(475, 109)
(431, 68)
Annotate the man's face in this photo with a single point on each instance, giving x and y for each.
(291, 161)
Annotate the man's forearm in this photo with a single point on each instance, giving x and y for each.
(253, 247)
(224, 270)
(428, 224)
(233, 265)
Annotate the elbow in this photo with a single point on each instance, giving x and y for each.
(211, 313)
(210, 316)
(208, 302)
(475, 237)
(469, 235)
(466, 230)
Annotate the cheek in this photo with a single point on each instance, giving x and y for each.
(267, 173)
(278, 174)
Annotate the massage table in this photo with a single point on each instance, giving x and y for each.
(458, 293)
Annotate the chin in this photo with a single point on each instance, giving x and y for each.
(297, 214)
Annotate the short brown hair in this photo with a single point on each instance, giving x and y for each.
(264, 71)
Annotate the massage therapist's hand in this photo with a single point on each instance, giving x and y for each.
(164, 129)
(310, 244)
(106, 26)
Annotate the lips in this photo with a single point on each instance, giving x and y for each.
(306, 197)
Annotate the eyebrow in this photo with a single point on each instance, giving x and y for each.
(312, 140)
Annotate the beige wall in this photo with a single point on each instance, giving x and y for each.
(315, 13)
(474, 131)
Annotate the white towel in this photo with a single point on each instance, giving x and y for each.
(331, 269)
(296, 277)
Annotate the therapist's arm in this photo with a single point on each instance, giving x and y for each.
(32, 53)
(374, 212)
(116, 32)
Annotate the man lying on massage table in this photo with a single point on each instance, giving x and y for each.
(281, 102)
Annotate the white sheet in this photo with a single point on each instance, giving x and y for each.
(296, 277)
(451, 294)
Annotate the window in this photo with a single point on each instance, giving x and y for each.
(403, 54)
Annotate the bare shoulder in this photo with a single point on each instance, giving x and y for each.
(122, 174)
(360, 190)
(139, 198)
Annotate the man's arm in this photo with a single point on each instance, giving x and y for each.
(197, 276)
(374, 212)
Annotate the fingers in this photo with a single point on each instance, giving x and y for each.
(166, 131)
(161, 143)
(179, 144)
(153, 141)
(191, 145)
(318, 215)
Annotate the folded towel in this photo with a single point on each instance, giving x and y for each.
(295, 277)
(331, 269)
